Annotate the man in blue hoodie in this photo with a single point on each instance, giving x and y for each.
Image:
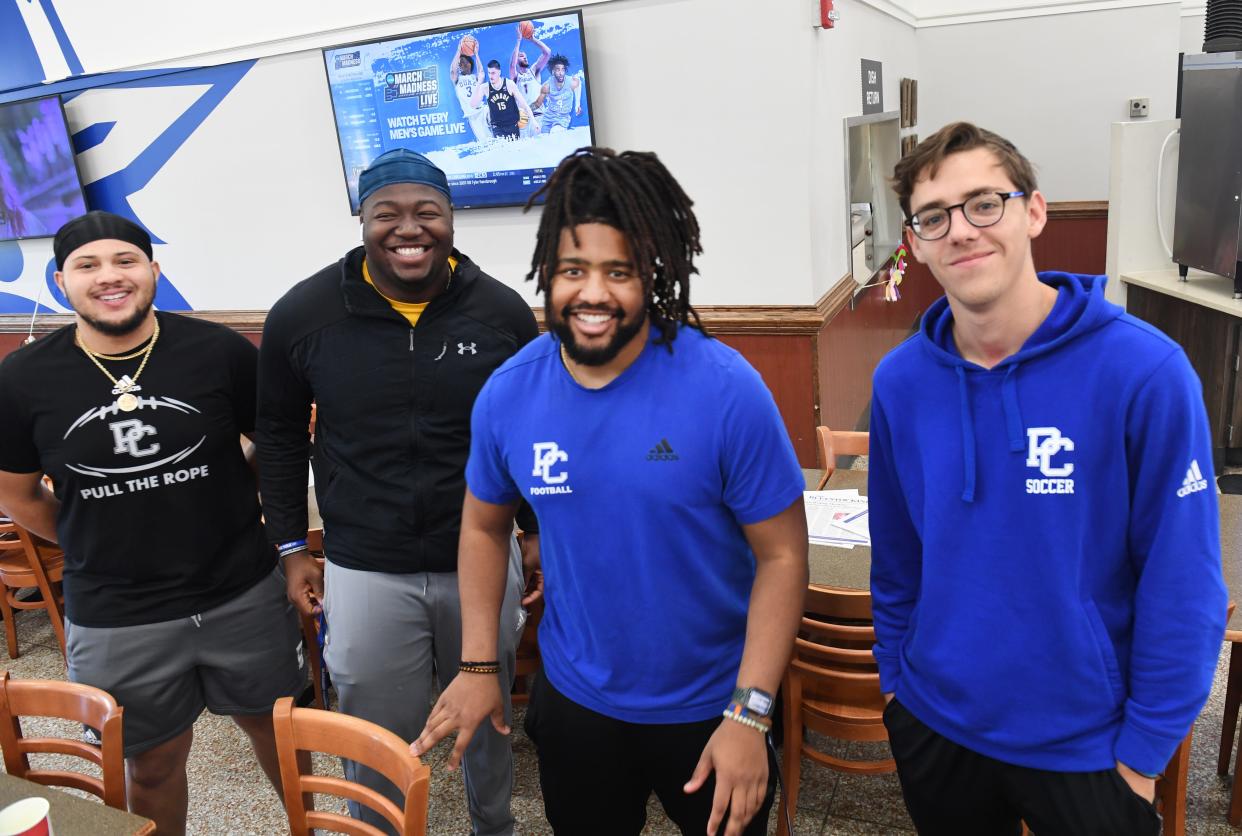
(1046, 573)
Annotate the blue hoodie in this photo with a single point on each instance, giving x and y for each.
(1045, 573)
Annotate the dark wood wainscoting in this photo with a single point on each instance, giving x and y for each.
(853, 341)
(787, 366)
(1212, 341)
(1076, 238)
(816, 359)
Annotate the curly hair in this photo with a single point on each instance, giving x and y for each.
(634, 193)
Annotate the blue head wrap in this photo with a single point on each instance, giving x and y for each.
(401, 165)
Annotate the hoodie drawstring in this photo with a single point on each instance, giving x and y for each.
(1013, 425)
(1013, 417)
(968, 438)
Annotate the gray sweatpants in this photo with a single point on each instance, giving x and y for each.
(387, 635)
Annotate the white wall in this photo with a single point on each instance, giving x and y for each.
(733, 132)
(745, 104)
(1192, 33)
(124, 34)
(862, 32)
(1053, 84)
(672, 76)
(953, 12)
(726, 107)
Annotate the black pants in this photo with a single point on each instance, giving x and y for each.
(596, 773)
(954, 791)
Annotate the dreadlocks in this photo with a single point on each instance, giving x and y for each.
(634, 193)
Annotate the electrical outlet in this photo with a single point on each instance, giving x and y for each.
(1138, 108)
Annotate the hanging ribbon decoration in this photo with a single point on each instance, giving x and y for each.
(896, 272)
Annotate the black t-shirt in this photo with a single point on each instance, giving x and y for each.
(159, 513)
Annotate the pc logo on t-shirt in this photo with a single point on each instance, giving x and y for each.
(548, 455)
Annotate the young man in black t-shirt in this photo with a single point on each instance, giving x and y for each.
(173, 601)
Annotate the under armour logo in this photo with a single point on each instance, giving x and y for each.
(462, 348)
(1044, 443)
(547, 455)
(127, 434)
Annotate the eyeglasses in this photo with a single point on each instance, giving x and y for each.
(980, 211)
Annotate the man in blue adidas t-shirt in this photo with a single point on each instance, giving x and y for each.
(673, 536)
(1045, 573)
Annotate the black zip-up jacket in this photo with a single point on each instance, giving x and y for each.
(392, 429)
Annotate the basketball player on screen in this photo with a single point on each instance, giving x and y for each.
(528, 78)
(555, 95)
(466, 73)
(507, 107)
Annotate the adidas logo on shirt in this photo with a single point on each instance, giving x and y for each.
(1194, 480)
(662, 452)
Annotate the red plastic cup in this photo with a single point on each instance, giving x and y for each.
(28, 817)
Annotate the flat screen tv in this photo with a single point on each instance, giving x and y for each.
(39, 185)
(498, 131)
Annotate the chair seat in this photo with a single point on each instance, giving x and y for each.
(843, 713)
(15, 569)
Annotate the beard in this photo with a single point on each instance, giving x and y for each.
(118, 329)
(558, 324)
(115, 328)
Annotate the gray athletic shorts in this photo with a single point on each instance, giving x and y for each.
(238, 658)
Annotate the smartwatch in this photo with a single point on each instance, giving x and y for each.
(756, 702)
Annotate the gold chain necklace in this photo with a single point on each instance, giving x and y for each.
(125, 387)
(116, 358)
(569, 368)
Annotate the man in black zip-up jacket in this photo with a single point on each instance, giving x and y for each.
(392, 344)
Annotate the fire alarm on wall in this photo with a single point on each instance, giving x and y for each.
(828, 16)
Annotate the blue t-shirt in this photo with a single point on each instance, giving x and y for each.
(641, 489)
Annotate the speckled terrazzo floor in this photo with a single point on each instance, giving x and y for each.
(228, 794)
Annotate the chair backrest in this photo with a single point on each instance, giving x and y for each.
(9, 540)
(839, 443)
(312, 730)
(68, 701)
(47, 563)
(832, 653)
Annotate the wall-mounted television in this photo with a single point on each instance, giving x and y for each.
(498, 131)
(39, 185)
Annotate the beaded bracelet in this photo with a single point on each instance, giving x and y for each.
(745, 721)
(478, 667)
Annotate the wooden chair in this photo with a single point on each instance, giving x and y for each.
(68, 701)
(1171, 789)
(528, 659)
(310, 626)
(1229, 725)
(12, 558)
(832, 687)
(838, 443)
(312, 730)
(30, 561)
